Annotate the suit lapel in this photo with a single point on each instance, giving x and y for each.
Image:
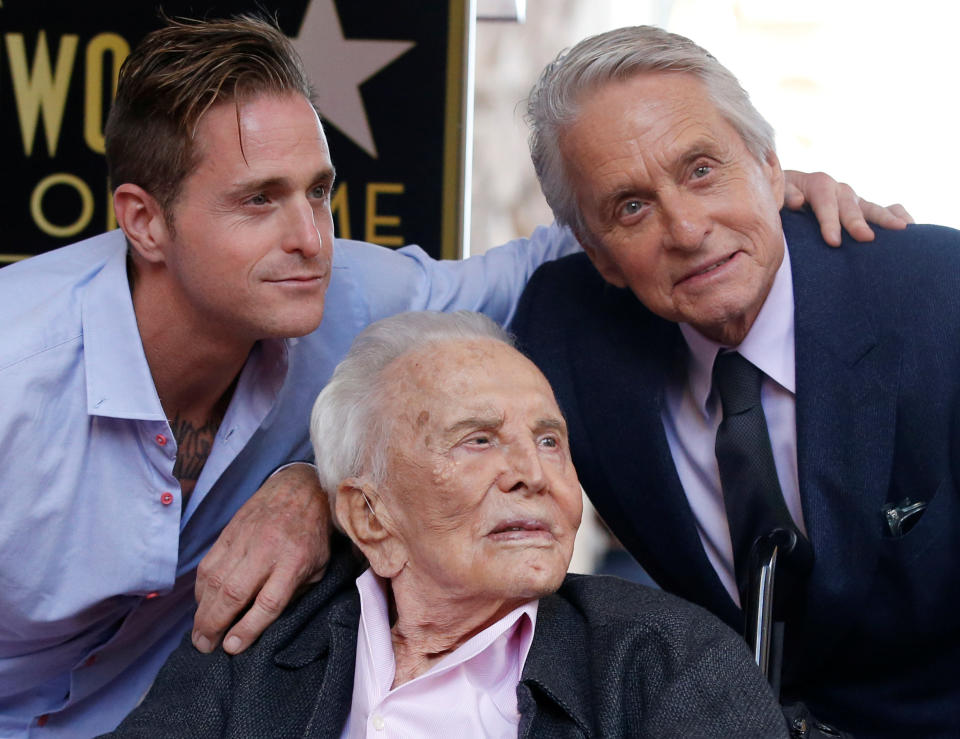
(331, 640)
(648, 511)
(558, 663)
(847, 377)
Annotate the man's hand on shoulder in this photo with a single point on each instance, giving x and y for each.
(277, 542)
(835, 204)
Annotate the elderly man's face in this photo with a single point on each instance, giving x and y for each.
(480, 486)
(678, 209)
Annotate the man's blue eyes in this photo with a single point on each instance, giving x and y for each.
(631, 208)
(319, 192)
(547, 441)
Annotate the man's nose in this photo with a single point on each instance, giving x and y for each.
(302, 234)
(524, 469)
(686, 220)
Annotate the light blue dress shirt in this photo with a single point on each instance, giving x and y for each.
(97, 562)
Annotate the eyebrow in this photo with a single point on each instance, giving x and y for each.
(552, 423)
(701, 147)
(475, 422)
(494, 422)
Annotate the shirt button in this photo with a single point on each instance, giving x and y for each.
(378, 723)
(160, 439)
(166, 498)
(90, 660)
(42, 720)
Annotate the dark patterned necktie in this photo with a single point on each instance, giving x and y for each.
(748, 476)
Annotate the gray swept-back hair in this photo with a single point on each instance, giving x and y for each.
(617, 55)
(347, 427)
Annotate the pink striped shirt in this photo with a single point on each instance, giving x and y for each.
(470, 692)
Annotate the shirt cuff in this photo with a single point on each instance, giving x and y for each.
(291, 464)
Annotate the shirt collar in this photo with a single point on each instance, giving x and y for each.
(119, 383)
(376, 622)
(769, 345)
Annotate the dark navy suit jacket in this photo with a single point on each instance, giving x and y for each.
(877, 651)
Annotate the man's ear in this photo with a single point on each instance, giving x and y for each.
(607, 268)
(775, 177)
(142, 220)
(364, 518)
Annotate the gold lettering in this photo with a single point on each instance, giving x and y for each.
(374, 219)
(111, 213)
(86, 207)
(40, 88)
(99, 47)
(341, 211)
(11, 258)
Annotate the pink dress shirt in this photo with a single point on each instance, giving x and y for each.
(691, 416)
(471, 692)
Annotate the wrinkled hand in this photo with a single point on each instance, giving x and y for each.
(278, 541)
(835, 204)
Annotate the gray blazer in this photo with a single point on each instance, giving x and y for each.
(608, 659)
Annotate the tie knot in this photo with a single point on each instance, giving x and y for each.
(737, 381)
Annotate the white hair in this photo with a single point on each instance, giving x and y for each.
(617, 55)
(347, 427)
